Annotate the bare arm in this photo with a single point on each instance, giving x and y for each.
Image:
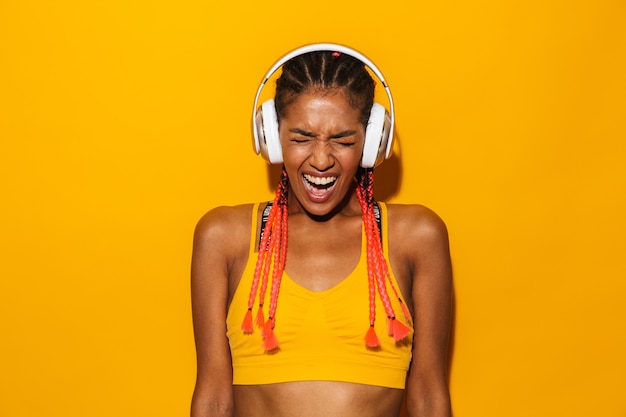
(427, 389)
(212, 256)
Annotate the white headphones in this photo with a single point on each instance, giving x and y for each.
(378, 133)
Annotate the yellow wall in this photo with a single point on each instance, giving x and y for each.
(122, 122)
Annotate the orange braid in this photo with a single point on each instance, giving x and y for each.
(371, 339)
(272, 251)
(247, 326)
(378, 271)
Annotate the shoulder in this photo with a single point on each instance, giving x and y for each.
(417, 235)
(222, 220)
(414, 221)
(224, 226)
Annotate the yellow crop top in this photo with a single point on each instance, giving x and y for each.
(321, 334)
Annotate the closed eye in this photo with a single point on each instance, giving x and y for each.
(299, 140)
(343, 134)
(344, 138)
(301, 132)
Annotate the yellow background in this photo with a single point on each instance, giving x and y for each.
(122, 122)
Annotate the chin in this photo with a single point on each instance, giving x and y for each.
(321, 203)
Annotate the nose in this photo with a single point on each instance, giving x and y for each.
(322, 159)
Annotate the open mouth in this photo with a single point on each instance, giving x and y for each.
(319, 186)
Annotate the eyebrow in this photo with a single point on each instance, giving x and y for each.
(338, 135)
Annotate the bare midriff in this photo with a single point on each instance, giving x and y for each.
(316, 399)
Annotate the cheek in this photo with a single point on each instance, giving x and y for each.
(293, 156)
(356, 161)
(353, 155)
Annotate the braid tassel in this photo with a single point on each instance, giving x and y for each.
(269, 337)
(399, 330)
(246, 326)
(371, 339)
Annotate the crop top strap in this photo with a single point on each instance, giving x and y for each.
(268, 207)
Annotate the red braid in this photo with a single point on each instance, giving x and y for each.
(377, 269)
(272, 251)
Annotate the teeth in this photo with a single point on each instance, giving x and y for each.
(319, 180)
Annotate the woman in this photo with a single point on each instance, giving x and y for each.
(322, 302)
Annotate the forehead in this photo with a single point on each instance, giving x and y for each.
(322, 104)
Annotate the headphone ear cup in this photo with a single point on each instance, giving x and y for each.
(377, 136)
(266, 125)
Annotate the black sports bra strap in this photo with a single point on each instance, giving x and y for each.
(268, 207)
(379, 220)
(264, 217)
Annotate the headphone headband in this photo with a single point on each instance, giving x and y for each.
(330, 47)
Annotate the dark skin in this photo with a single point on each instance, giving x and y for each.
(324, 247)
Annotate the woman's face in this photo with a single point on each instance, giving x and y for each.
(322, 141)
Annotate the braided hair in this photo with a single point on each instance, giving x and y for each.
(320, 71)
